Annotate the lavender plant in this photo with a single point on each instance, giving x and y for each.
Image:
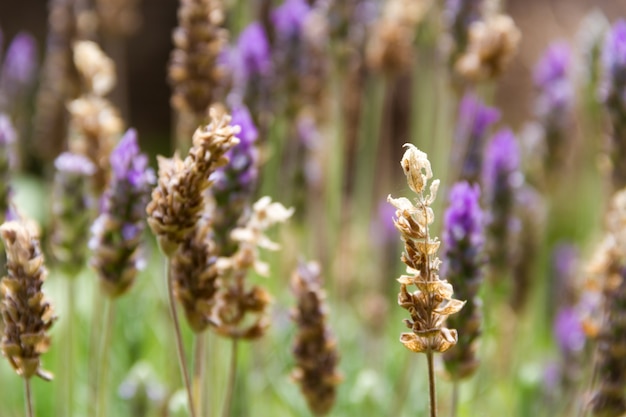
(18, 72)
(612, 88)
(8, 137)
(501, 180)
(27, 314)
(463, 239)
(432, 302)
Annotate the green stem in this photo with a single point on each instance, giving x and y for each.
(232, 374)
(29, 398)
(180, 348)
(95, 329)
(103, 368)
(455, 397)
(199, 350)
(431, 384)
(69, 358)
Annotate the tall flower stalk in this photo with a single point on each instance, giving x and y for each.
(178, 204)
(432, 302)
(463, 260)
(27, 314)
(116, 236)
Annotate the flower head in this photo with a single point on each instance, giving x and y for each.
(614, 63)
(253, 49)
(20, 66)
(289, 17)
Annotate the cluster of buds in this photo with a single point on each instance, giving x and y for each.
(178, 200)
(432, 302)
(27, 314)
(235, 301)
(390, 48)
(95, 124)
(491, 47)
(193, 71)
(116, 233)
(315, 348)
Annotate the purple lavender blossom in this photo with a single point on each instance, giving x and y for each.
(614, 64)
(556, 92)
(474, 121)
(117, 230)
(382, 229)
(20, 65)
(72, 208)
(235, 182)
(463, 239)
(568, 331)
(501, 180)
(253, 49)
(564, 269)
(8, 137)
(289, 18)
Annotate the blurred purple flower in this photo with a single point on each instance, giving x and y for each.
(289, 18)
(7, 132)
(254, 51)
(20, 65)
(72, 163)
(7, 139)
(501, 181)
(117, 230)
(474, 120)
(614, 64)
(463, 218)
(382, 229)
(568, 331)
(556, 92)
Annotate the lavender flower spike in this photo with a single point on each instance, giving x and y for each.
(475, 119)
(235, 182)
(72, 208)
(7, 139)
(463, 238)
(555, 101)
(117, 231)
(289, 18)
(19, 69)
(613, 93)
(501, 179)
(254, 51)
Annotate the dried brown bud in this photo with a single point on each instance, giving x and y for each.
(492, 45)
(27, 314)
(178, 200)
(315, 348)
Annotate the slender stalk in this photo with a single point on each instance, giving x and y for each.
(199, 381)
(455, 397)
(431, 384)
(29, 398)
(103, 368)
(180, 348)
(69, 350)
(232, 373)
(95, 329)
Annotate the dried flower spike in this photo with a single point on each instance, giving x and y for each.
(315, 348)
(26, 312)
(492, 45)
(178, 199)
(432, 302)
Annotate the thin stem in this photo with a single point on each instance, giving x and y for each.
(29, 398)
(232, 373)
(455, 397)
(180, 348)
(95, 329)
(103, 368)
(199, 351)
(431, 383)
(69, 357)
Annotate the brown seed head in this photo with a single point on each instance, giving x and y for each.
(27, 314)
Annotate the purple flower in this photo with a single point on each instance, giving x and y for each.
(117, 230)
(289, 18)
(501, 181)
(7, 132)
(72, 163)
(382, 229)
(254, 51)
(568, 331)
(463, 218)
(614, 62)
(7, 139)
(553, 65)
(474, 120)
(556, 93)
(20, 65)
